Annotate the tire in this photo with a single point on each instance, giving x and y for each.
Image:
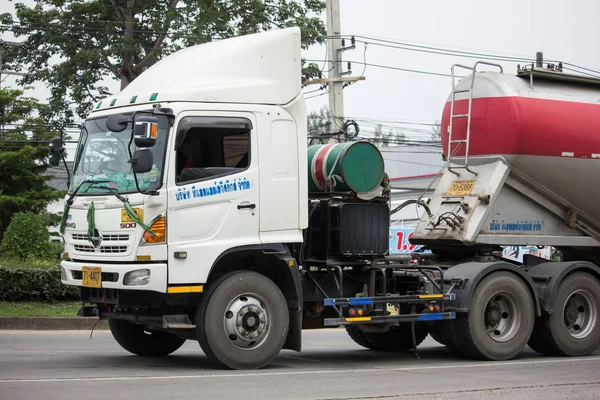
(135, 339)
(397, 339)
(500, 321)
(243, 321)
(574, 327)
(358, 336)
(200, 336)
(443, 332)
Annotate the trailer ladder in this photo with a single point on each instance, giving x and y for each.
(453, 116)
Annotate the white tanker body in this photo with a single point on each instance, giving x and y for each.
(198, 212)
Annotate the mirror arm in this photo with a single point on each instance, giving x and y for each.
(150, 192)
(137, 185)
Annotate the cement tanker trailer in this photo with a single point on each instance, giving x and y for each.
(523, 159)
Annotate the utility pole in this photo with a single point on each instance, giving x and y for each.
(336, 77)
(336, 87)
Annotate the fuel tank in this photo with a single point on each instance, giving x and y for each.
(545, 124)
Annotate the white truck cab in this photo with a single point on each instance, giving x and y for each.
(228, 167)
(197, 168)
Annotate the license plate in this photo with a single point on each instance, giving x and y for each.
(91, 277)
(461, 188)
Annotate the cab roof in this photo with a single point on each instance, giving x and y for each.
(261, 68)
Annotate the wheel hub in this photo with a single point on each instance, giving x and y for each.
(247, 321)
(502, 316)
(580, 314)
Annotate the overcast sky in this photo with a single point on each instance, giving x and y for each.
(563, 30)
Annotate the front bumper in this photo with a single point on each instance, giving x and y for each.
(113, 274)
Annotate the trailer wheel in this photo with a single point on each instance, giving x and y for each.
(243, 322)
(358, 336)
(574, 327)
(137, 340)
(397, 339)
(500, 321)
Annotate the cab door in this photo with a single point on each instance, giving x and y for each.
(213, 192)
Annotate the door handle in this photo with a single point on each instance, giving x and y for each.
(251, 206)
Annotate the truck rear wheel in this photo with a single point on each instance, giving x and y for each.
(243, 322)
(137, 340)
(435, 331)
(358, 336)
(500, 321)
(397, 339)
(574, 327)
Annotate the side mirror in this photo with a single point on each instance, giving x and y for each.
(117, 122)
(55, 150)
(141, 161)
(145, 130)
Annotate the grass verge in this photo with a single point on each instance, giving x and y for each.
(37, 309)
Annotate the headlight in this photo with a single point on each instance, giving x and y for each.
(138, 277)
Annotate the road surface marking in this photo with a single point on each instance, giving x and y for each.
(315, 372)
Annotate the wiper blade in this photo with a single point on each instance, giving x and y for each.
(92, 181)
(112, 191)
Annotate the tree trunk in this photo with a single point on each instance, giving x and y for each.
(127, 63)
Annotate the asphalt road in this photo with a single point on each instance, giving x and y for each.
(68, 365)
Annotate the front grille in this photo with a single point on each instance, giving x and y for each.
(102, 249)
(106, 276)
(106, 238)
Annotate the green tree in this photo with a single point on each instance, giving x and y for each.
(72, 45)
(23, 150)
(24, 121)
(392, 138)
(318, 125)
(26, 238)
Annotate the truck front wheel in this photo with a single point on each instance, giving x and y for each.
(243, 321)
(137, 340)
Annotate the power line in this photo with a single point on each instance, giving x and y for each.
(451, 52)
(437, 50)
(392, 68)
(392, 121)
(412, 163)
(396, 44)
(316, 95)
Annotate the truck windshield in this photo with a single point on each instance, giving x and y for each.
(102, 155)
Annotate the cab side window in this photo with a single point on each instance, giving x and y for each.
(208, 153)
